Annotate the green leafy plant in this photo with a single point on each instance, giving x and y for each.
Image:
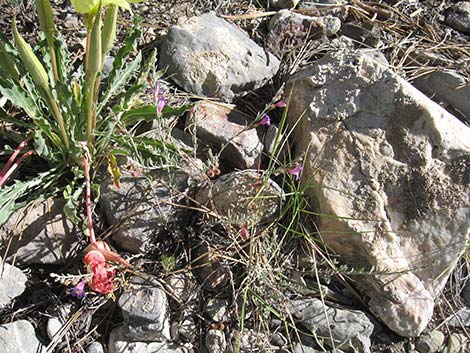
(71, 111)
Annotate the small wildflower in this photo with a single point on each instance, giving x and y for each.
(159, 98)
(244, 232)
(295, 171)
(266, 120)
(79, 290)
(280, 104)
(103, 274)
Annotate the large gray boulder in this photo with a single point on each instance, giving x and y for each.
(211, 57)
(390, 171)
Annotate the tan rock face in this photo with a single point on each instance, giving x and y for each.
(392, 168)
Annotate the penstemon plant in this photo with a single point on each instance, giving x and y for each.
(68, 108)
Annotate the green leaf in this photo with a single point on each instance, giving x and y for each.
(121, 72)
(140, 114)
(19, 97)
(119, 81)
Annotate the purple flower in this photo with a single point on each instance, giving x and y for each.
(266, 120)
(295, 171)
(280, 104)
(159, 98)
(79, 290)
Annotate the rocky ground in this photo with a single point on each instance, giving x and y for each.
(340, 224)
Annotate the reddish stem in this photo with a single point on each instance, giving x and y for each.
(86, 166)
(12, 157)
(6, 173)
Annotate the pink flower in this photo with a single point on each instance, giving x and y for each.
(266, 120)
(280, 104)
(295, 171)
(244, 232)
(79, 290)
(97, 254)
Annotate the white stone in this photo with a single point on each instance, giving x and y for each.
(19, 337)
(12, 283)
(390, 170)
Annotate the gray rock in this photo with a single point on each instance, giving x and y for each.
(144, 308)
(217, 310)
(391, 172)
(41, 234)
(183, 287)
(251, 340)
(118, 343)
(282, 4)
(12, 283)
(236, 197)
(458, 16)
(348, 328)
(460, 319)
(466, 294)
(208, 268)
(369, 37)
(186, 328)
(300, 348)
(141, 207)
(289, 30)
(19, 337)
(215, 341)
(458, 343)
(53, 326)
(324, 7)
(95, 347)
(430, 342)
(221, 127)
(211, 57)
(448, 88)
(107, 66)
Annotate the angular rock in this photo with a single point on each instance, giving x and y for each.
(449, 88)
(211, 57)
(369, 37)
(324, 7)
(242, 197)
(19, 337)
(466, 294)
(458, 343)
(349, 328)
(12, 283)
(430, 343)
(391, 181)
(183, 288)
(458, 16)
(289, 30)
(215, 341)
(144, 308)
(95, 347)
(118, 343)
(41, 234)
(460, 319)
(223, 128)
(282, 4)
(141, 208)
(209, 269)
(217, 310)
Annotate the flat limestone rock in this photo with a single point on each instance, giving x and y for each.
(211, 57)
(390, 171)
